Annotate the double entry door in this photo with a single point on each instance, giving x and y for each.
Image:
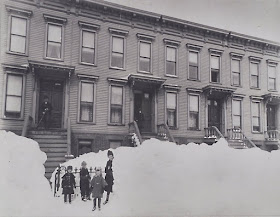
(215, 113)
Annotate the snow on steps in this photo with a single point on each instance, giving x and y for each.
(54, 144)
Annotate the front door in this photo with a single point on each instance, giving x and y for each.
(271, 117)
(214, 113)
(53, 89)
(143, 111)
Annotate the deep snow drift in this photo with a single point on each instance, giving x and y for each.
(155, 179)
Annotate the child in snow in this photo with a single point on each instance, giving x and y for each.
(68, 184)
(84, 181)
(109, 178)
(97, 185)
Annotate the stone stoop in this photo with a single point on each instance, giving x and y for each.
(54, 143)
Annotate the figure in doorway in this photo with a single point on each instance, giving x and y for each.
(46, 108)
(139, 118)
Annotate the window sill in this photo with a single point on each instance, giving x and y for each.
(234, 85)
(111, 124)
(219, 83)
(255, 88)
(18, 54)
(171, 76)
(273, 90)
(116, 68)
(257, 132)
(13, 119)
(88, 64)
(191, 79)
(54, 59)
(84, 122)
(144, 72)
(192, 129)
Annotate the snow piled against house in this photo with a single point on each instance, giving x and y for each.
(155, 179)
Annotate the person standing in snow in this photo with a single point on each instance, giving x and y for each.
(109, 178)
(84, 182)
(98, 184)
(68, 184)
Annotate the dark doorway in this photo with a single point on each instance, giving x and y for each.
(271, 117)
(143, 111)
(214, 113)
(53, 89)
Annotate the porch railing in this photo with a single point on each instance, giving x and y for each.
(164, 132)
(26, 125)
(272, 135)
(238, 135)
(69, 134)
(133, 128)
(213, 132)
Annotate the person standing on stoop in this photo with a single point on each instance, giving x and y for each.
(109, 178)
(46, 112)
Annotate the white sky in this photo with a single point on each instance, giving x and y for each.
(259, 18)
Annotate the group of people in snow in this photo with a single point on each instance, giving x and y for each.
(95, 186)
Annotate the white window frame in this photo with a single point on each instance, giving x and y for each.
(176, 127)
(255, 60)
(118, 34)
(8, 72)
(216, 53)
(199, 112)
(93, 81)
(194, 49)
(22, 14)
(238, 57)
(109, 104)
(271, 63)
(171, 44)
(241, 110)
(256, 100)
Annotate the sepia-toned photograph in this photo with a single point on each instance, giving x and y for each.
(140, 108)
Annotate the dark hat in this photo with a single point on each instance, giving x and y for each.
(110, 153)
(69, 168)
(84, 163)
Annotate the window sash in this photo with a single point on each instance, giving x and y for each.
(116, 105)
(145, 50)
(18, 33)
(193, 120)
(272, 83)
(88, 39)
(86, 101)
(118, 45)
(255, 81)
(171, 99)
(18, 28)
(171, 117)
(144, 64)
(236, 113)
(215, 75)
(215, 62)
(54, 33)
(235, 64)
(171, 54)
(256, 116)
(236, 78)
(254, 69)
(54, 41)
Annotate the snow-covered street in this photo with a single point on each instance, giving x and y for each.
(155, 179)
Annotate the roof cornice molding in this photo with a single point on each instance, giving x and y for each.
(19, 11)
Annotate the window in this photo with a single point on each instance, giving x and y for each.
(116, 105)
(84, 146)
(193, 120)
(145, 56)
(14, 95)
(54, 41)
(171, 109)
(256, 116)
(235, 72)
(171, 60)
(215, 68)
(88, 47)
(86, 101)
(271, 77)
(236, 113)
(117, 58)
(18, 34)
(193, 65)
(254, 71)
(115, 144)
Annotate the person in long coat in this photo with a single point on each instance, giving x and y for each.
(109, 178)
(68, 184)
(84, 181)
(98, 184)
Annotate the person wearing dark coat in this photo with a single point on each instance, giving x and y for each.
(84, 182)
(68, 184)
(46, 108)
(109, 178)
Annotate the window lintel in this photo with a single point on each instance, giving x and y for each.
(236, 55)
(90, 77)
(256, 98)
(118, 31)
(254, 58)
(171, 42)
(89, 25)
(145, 37)
(16, 68)
(194, 47)
(173, 87)
(238, 96)
(272, 62)
(23, 12)
(194, 90)
(55, 19)
(117, 80)
(216, 51)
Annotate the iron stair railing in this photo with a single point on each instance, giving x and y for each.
(164, 132)
(236, 134)
(133, 128)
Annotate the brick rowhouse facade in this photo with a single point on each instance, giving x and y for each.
(104, 65)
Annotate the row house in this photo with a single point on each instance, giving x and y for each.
(112, 72)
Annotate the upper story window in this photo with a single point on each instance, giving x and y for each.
(171, 109)
(145, 53)
(54, 37)
(171, 57)
(236, 69)
(118, 47)
(254, 72)
(193, 62)
(237, 113)
(18, 30)
(215, 65)
(272, 75)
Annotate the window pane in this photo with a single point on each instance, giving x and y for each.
(255, 81)
(171, 100)
(87, 92)
(54, 50)
(13, 104)
(88, 39)
(236, 121)
(18, 26)
(54, 33)
(214, 75)
(117, 95)
(145, 49)
(236, 107)
(193, 72)
(235, 64)
(144, 64)
(235, 78)
(194, 103)
(117, 60)
(171, 54)
(255, 109)
(272, 84)
(116, 115)
(118, 44)
(17, 44)
(254, 69)
(256, 123)
(193, 58)
(86, 111)
(87, 55)
(14, 86)
(193, 120)
(171, 68)
(272, 71)
(171, 118)
(215, 62)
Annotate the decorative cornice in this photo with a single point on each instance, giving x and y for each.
(172, 87)
(255, 58)
(215, 51)
(236, 55)
(83, 76)
(194, 90)
(171, 42)
(18, 68)
(194, 47)
(55, 19)
(91, 26)
(256, 98)
(117, 80)
(274, 62)
(145, 37)
(118, 31)
(19, 11)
